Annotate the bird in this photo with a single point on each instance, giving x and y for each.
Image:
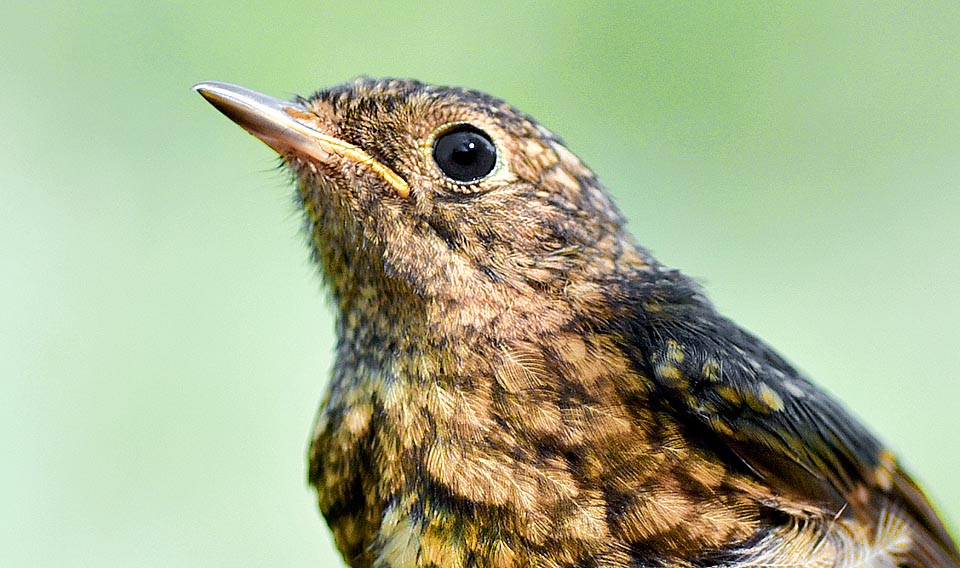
(519, 383)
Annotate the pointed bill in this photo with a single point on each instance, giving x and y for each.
(285, 127)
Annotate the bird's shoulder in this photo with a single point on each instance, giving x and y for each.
(761, 416)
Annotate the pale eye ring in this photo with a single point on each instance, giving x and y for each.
(465, 154)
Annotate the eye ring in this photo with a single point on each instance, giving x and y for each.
(464, 154)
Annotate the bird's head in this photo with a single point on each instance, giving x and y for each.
(416, 191)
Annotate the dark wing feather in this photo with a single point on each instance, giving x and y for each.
(727, 384)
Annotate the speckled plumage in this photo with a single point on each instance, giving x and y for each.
(518, 383)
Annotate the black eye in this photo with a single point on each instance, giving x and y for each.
(465, 154)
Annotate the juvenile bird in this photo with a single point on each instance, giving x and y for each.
(519, 383)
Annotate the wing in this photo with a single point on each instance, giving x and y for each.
(735, 393)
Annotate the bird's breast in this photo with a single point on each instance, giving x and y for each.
(513, 450)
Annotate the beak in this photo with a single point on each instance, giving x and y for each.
(287, 127)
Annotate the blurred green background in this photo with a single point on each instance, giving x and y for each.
(164, 341)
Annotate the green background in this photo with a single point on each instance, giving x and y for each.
(164, 341)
